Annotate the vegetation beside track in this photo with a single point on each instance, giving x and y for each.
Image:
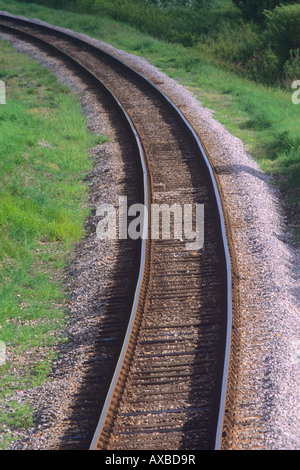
(44, 160)
(249, 36)
(261, 114)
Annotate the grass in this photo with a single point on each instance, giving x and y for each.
(44, 159)
(263, 117)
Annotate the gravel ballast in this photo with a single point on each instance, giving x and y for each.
(267, 393)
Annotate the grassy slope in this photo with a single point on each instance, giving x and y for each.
(43, 158)
(264, 118)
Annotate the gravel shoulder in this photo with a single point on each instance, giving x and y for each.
(267, 393)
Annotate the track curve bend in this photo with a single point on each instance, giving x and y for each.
(169, 387)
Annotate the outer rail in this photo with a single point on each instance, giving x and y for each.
(131, 326)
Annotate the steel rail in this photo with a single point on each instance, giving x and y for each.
(196, 139)
(146, 192)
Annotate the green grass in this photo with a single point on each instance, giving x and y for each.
(44, 159)
(263, 117)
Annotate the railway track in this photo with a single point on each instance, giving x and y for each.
(166, 383)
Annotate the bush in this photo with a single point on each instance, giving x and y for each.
(254, 9)
(263, 65)
(292, 67)
(283, 30)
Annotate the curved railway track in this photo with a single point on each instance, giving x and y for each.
(168, 387)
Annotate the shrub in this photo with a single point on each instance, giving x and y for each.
(292, 67)
(254, 9)
(264, 65)
(283, 30)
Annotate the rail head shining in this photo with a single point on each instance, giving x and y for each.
(218, 437)
(133, 315)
